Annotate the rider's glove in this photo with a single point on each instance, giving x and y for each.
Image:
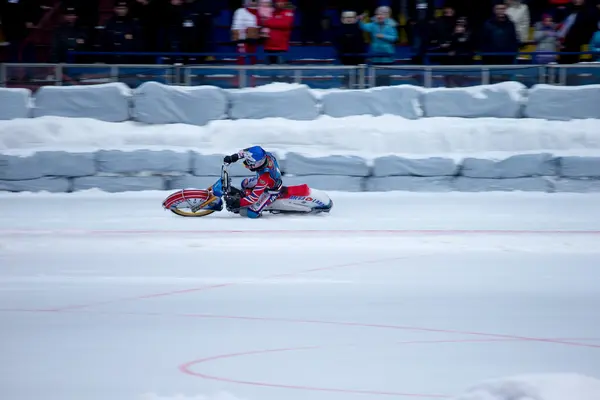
(231, 159)
(233, 202)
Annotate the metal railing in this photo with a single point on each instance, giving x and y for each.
(321, 76)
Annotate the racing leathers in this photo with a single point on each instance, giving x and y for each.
(260, 190)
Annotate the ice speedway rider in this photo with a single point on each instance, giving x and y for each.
(259, 191)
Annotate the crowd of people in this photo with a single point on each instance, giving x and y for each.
(464, 28)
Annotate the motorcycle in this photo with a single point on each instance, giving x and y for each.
(297, 199)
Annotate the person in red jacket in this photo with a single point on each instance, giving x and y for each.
(280, 27)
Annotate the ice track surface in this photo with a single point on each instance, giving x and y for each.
(107, 296)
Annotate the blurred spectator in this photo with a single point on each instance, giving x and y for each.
(499, 35)
(442, 35)
(519, 15)
(460, 52)
(245, 30)
(147, 13)
(280, 26)
(122, 34)
(445, 25)
(348, 40)
(462, 47)
(595, 44)
(69, 36)
(545, 37)
(559, 9)
(88, 12)
(265, 11)
(384, 36)
(13, 13)
(187, 27)
(311, 20)
(576, 30)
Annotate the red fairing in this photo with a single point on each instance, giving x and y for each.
(280, 25)
(264, 182)
(298, 190)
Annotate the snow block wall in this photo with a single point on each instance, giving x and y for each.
(503, 100)
(563, 103)
(118, 171)
(156, 103)
(14, 103)
(403, 101)
(294, 104)
(106, 102)
(402, 109)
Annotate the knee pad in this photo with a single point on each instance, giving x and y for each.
(248, 183)
(246, 212)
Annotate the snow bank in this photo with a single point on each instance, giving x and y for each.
(536, 387)
(365, 136)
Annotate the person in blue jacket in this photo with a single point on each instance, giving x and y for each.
(595, 44)
(384, 36)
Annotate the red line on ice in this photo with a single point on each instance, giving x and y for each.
(95, 232)
(187, 368)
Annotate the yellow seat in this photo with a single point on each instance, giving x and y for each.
(585, 57)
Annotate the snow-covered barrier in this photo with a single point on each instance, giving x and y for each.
(299, 165)
(156, 103)
(519, 166)
(119, 170)
(46, 164)
(419, 167)
(14, 103)
(210, 165)
(410, 184)
(577, 185)
(403, 101)
(563, 103)
(45, 184)
(106, 102)
(502, 100)
(297, 103)
(528, 184)
(579, 167)
(136, 162)
(114, 184)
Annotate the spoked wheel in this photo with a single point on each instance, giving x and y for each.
(191, 203)
(183, 213)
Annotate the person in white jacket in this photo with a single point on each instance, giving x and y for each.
(519, 15)
(245, 29)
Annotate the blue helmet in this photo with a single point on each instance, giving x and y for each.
(254, 158)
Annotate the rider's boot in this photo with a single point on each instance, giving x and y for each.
(216, 205)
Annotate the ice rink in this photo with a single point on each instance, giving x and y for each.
(110, 297)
